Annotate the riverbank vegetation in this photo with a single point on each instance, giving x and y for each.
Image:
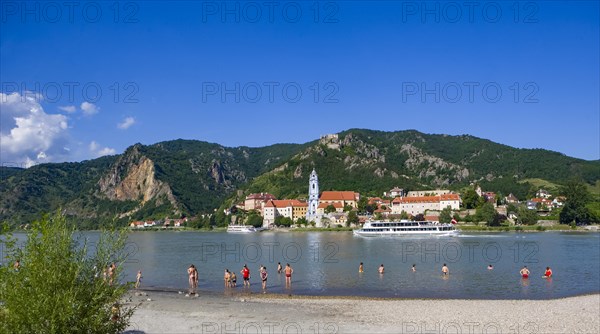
(58, 282)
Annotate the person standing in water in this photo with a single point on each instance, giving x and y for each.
(279, 268)
(288, 274)
(414, 268)
(548, 273)
(524, 272)
(192, 278)
(227, 278)
(361, 268)
(138, 279)
(246, 275)
(233, 279)
(381, 269)
(263, 277)
(445, 270)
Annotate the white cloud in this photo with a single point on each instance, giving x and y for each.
(89, 109)
(127, 122)
(69, 109)
(107, 151)
(97, 151)
(28, 135)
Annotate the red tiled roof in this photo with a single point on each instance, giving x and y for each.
(417, 199)
(374, 200)
(335, 205)
(450, 197)
(541, 200)
(426, 199)
(283, 203)
(383, 210)
(260, 196)
(338, 196)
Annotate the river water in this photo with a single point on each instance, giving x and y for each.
(326, 263)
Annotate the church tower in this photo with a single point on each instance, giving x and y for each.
(313, 196)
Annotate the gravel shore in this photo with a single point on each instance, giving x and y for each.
(170, 312)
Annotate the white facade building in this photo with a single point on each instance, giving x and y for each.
(418, 205)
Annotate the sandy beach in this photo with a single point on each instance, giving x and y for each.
(171, 312)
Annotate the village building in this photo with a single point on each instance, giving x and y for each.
(542, 193)
(256, 201)
(174, 222)
(424, 193)
(137, 224)
(511, 199)
(432, 218)
(338, 218)
(490, 197)
(384, 212)
(290, 208)
(321, 208)
(343, 197)
(540, 204)
(558, 201)
(419, 205)
(394, 192)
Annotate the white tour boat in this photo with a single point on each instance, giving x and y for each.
(242, 229)
(404, 227)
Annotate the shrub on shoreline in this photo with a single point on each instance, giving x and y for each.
(61, 285)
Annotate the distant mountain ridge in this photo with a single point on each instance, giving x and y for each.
(188, 177)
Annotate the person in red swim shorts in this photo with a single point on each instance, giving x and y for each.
(524, 272)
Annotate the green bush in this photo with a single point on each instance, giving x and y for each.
(255, 220)
(60, 287)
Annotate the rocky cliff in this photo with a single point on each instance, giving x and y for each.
(133, 177)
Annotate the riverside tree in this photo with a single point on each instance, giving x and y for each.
(574, 208)
(60, 286)
(526, 216)
(352, 218)
(487, 213)
(446, 215)
(255, 220)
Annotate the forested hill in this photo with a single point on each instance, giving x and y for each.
(168, 178)
(187, 177)
(374, 161)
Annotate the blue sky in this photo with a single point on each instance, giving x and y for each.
(84, 80)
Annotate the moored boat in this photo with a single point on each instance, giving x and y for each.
(404, 227)
(242, 229)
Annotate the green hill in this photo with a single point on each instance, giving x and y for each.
(180, 177)
(372, 162)
(187, 177)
